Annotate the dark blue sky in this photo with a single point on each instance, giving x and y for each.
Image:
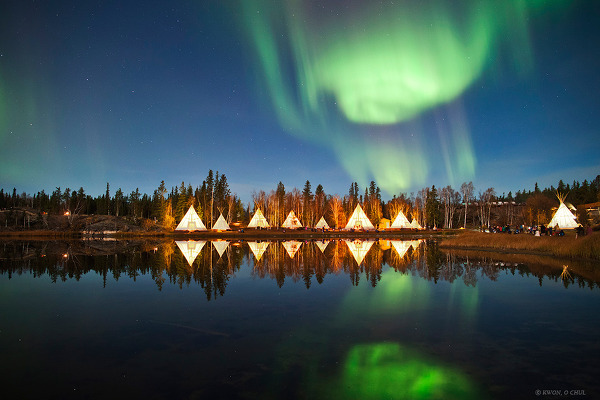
(133, 93)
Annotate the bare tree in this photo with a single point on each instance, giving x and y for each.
(466, 189)
(485, 206)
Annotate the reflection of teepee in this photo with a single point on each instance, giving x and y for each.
(322, 245)
(220, 246)
(292, 247)
(190, 249)
(400, 221)
(221, 224)
(359, 220)
(191, 222)
(359, 249)
(322, 224)
(258, 220)
(258, 248)
(401, 246)
(291, 221)
(563, 217)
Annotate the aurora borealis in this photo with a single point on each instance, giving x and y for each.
(405, 93)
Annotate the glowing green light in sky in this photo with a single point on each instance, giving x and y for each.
(392, 371)
(384, 69)
(333, 72)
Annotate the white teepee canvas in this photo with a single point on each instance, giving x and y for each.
(359, 220)
(258, 220)
(291, 221)
(415, 225)
(323, 245)
(400, 221)
(220, 246)
(322, 224)
(190, 249)
(292, 247)
(221, 224)
(359, 248)
(191, 222)
(563, 217)
(258, 248)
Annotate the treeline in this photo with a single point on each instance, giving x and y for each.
(446, 207)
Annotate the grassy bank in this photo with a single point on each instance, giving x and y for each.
(586, 247)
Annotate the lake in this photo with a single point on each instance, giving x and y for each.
(296, 319)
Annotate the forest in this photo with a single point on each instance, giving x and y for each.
(444, 207)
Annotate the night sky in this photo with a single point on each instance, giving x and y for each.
(406, 93)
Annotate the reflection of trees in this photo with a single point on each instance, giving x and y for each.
(164, 262)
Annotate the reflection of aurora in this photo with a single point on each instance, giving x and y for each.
(337, 77)
(389, 370)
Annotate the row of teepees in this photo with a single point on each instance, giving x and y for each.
(192, 222)
(563, 218)
(359, 220)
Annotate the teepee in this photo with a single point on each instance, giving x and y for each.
(258, 220)
(400, 221)
(359, 220)
(221, 224)
(322, 224)
(291, 221)
(415, 225)
(191, 222)
(563, 217)
(190, 249)
(359, 249)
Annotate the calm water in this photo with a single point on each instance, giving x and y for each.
(336, 319)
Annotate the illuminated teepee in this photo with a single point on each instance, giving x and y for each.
(220, 246)
(221, 224)
(563, 217)
(292, 247)
(258, 248)
(359, 220)
(322, 224)
(291, 221)
(190, 249)
(415, 225)
(359, 249)
(400, 221)
(258, 220)
(191, 222)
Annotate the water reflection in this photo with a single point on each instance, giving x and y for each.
(382, 319)
(211, 265)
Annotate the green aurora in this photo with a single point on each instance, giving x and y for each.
(357, 80)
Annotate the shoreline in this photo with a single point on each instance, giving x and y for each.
(265, 234)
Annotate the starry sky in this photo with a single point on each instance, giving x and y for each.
(406, 93)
